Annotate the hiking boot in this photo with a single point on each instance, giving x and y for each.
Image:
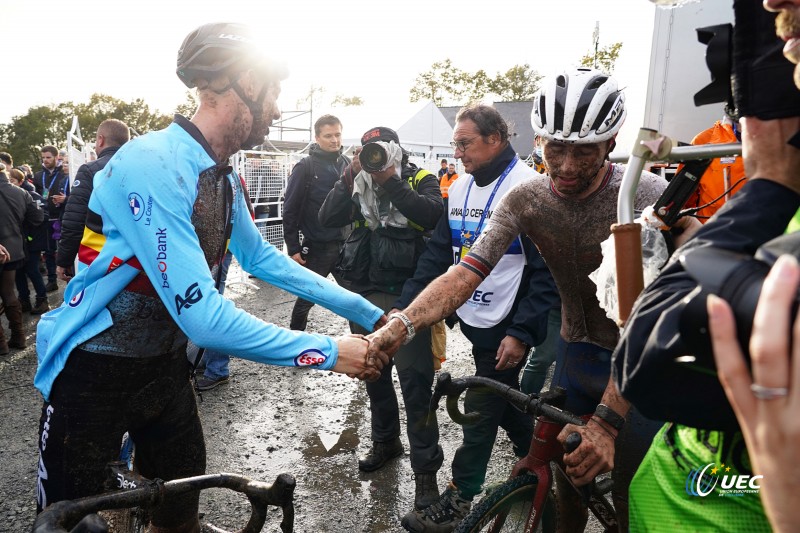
(15, 324)
(203, 383)
(426, 492)
(26, 305)
(441, 517)
(380, 453)
(42, 306)
(51, 286)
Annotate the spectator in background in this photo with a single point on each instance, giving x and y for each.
(393, 209)
(723, 177)
(447, 179)
(26, 169)
(16, 208)
(7, 160)
(34, 242)
(310, 182)
(443, 170)
(111, 134)
(52, 183)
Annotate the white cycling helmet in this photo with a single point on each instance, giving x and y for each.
(580, 106)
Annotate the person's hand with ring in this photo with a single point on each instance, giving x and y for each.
(510, 352)
(767, 403)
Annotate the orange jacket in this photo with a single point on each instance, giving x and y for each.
(712, 184)
(445, 182)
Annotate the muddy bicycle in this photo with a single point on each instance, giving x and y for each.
(136, 494)
(525, 501)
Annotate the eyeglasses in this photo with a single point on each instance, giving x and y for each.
(462, 145)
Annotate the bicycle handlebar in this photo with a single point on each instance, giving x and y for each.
(532, 404)
(60, 516)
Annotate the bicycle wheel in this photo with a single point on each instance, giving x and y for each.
(508, 508)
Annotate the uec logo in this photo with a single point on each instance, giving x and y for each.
(700, 484)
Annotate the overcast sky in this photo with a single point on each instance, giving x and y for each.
(65, 51)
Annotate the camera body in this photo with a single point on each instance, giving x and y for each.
(374, 156)
(747, 66)
(737, 279)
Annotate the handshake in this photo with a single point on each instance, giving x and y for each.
(364, 356)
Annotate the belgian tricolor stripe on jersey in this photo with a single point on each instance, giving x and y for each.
(93, 241)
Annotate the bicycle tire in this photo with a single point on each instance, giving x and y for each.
(507, 509)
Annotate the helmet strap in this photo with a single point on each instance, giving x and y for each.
(256, 108)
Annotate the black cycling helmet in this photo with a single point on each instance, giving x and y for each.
(223, 48)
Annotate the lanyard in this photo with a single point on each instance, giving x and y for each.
(468, 238)
(52, 180)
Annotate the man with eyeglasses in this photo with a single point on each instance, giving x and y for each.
(567, 215)
(504, 317)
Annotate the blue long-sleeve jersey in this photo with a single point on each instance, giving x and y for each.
(160, 216)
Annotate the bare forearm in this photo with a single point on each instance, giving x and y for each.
(613, 399)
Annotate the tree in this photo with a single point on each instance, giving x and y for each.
(518, 84)
(347, 101)
(26, 134)
(188, 107)
(444, 84)
(448, 85)
(605, 58)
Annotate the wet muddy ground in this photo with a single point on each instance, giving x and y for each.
(267, 420)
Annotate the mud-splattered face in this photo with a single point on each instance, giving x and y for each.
(575, 169)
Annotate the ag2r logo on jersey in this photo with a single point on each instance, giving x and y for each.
(190, 297)
(136, 203)
(311, 357)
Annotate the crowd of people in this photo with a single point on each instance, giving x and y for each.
(503, 250)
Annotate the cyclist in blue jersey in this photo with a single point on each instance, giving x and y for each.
(163, 213)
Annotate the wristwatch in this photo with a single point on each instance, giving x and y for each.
(609, 416)
(410, 331)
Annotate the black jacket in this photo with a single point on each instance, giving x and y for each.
(74, 217)
(393, 252)
(17, 208)
(55, 182)
(644, 363)
(309, 184)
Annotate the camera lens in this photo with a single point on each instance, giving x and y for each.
(373, 157)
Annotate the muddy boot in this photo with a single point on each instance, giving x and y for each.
(380, 453)
(14, 315)
(426, 492)
(42, 306)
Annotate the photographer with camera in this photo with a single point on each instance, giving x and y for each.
(663, 363)
(394, 205)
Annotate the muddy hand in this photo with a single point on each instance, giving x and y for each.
(593, 457)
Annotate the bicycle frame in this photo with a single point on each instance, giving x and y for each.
(545, 447)
(140, 492)
(650, 145)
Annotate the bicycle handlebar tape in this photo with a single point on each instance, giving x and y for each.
(630, 277)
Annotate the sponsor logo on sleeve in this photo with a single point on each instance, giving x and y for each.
(311, 357)
(76, 300)
(76, 183)
(136, 204)
(161, 257)
(189, 298)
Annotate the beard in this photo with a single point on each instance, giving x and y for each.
(258, 131)
(788, 24)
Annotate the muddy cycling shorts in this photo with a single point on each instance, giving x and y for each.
(94, 401)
